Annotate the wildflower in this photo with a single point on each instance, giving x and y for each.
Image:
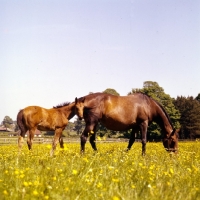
(49, 187)
(16, 172)
(99, 138)
(5, 192)
(171, 170)
(99, 185)
(35, 192)
(189, 169)
(36, 183)
(59, 170)
(30, 183)
(49, 146)
(25, 184)
(74, 171)
(110, 167)
(116, 198)
(115, 180)
(140, 164)
(85, 159)
(21, 176)
(90, 170)
(133, 186)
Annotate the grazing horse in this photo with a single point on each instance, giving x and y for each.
(121, 113)
(54, 119)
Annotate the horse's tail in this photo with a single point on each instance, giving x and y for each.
(21, 124)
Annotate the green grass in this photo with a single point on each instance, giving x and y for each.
(110, 174)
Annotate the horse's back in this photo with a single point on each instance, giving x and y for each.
(126, 103)
(124, 111)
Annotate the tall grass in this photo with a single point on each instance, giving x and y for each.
(111, 173)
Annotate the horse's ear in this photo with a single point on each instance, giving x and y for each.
(76, 100)
(174, 131)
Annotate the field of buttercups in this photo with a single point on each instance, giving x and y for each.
(110, 174)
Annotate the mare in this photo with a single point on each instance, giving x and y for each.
(121, 113)
(54, 119)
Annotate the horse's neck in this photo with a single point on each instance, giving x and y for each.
(162, 120)
(68, 111)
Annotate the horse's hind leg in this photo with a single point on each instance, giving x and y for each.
(61, 142)
(131, 140)
(20, 142)
(30, 138)
(92, 141)
(143, 127)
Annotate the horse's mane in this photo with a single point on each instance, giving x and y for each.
(161, 106)
(61, 105)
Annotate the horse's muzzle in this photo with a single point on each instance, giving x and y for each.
(80, 118)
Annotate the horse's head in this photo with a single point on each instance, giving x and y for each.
(79, 105)
(170, 142)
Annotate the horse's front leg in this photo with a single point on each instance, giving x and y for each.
(92, 138)
(84, 137)
(88, 130)
(143, 128)
(57, 136)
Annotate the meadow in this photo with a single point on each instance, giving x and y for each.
(110, 174)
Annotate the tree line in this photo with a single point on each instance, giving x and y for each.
(184, 113)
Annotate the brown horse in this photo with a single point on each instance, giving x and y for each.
(54, 119)
(121, 113)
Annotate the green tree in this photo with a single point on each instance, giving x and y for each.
(8, 122)
(153, 90)
(190, 116)
(111, 91)
(198, 97)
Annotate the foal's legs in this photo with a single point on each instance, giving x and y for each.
(21, 138)
(30, 138)
(61, 142)
(57, 137)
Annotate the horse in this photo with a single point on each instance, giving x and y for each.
(36, 117)
(121, 113)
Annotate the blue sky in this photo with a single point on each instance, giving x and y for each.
(54, 51)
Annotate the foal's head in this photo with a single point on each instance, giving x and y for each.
(79, 106)
(171, 142)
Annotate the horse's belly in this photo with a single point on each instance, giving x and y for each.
(117, 125)
(45, 127)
